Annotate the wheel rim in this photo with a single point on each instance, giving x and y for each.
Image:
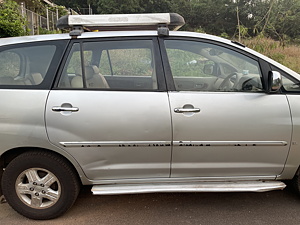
(38, 188)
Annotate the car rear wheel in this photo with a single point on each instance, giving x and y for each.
(40, 185)
(295, 182)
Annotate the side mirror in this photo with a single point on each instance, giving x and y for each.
(274, 82)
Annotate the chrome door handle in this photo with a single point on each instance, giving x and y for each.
(65, 109)
(182, 110)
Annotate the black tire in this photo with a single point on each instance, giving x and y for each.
(40, 185)
(295, 183)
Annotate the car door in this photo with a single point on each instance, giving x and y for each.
(109, 110)
(224, 123)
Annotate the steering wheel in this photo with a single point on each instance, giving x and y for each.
(230, 82)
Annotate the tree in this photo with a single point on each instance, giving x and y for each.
(12, 23)
(278, 19)
(212, 16)
(34, 5)
(157, 6)
(76, 5)
(284, 20)
(117, 6)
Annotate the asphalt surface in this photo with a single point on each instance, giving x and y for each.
(276, 207)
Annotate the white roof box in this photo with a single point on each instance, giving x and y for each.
(122, 21)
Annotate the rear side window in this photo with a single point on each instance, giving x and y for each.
(9, 64)
(26, 65)
(111, 65)
(127, 62)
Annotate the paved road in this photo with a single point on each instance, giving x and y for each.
(277, 207)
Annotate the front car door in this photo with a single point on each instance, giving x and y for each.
(224, 123)
(109, 111)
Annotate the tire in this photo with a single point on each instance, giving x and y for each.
(40, 185)
(295, 183)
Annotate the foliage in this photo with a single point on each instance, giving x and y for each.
(79, 6)
(224, 35)
(288, 55)
(12, 23)
(62, 11)
(270, 18)
(277, 19)
(45, 31)
(33, 5)
(118, 6)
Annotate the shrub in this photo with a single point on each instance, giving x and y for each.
(12, 23)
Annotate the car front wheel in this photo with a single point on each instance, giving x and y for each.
(40, 185)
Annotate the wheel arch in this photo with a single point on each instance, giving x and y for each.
(11, 154)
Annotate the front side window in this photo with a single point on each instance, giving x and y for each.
(289, 84)
(198, 66)
(118, 65)
(25, 65)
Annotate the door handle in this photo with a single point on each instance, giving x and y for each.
(65, 109)
(183, 110)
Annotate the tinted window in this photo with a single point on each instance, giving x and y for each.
(25, 65)
(124, 65)
(198, 66)
(127, 62)
(289, 84)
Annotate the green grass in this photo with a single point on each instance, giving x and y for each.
(287, 55)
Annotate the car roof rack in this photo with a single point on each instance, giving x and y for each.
(118, 22)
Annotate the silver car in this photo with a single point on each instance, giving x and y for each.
(136, 108)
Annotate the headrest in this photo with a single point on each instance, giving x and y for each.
(90, 71)
(37, 78)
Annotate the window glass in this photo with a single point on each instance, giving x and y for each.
(289, 84)
(25, 65)
(9, 64)
(189, 64)
(127, 62)
(121, 65)
(72, 67)
(200, 66)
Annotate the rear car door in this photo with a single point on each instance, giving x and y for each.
(26, 74)
(224, 123)
(109, 109)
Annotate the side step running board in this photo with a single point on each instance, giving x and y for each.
(245, 186)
